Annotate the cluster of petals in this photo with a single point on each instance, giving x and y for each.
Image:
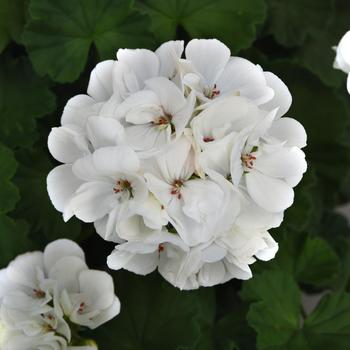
(44, 294)
(183, 158)
(342, 59)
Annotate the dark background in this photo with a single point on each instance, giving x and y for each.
(49, 47)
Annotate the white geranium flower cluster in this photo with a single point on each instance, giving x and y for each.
(342, 59)
(186, 163)
(45, 296)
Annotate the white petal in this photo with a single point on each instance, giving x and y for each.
(101, 84)
(106, 162)
(211, 274)
(60, 248)
(159, 188)
(67, 145)
(282, 98)
(98, 288)
(342, 60)
(104, 316)
(147, 139)
(269, 193)
(145, 102)
(61, 185)
(78, 109)
(141, 264)
(209, 57)
(143, 62)
(289, 130)
(25, 269)
(284, 163)
(106, 227)
(245, 78)
(179, 267)
(348, 83)
(170, 96)
(178, 161)
(213, 253)
(254, 217)
(239, 271)
(66, 272)
(270, 251)
(169, 54)
(93, 201)
(103, 132)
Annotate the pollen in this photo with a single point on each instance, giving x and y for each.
(176, 188)
(39, 293)
(123, 185)
(81, 308)
(248, 160)
(208, 139)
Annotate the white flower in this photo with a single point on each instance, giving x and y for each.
(184, 162)
(194, 205)
(155, 116)
(342, 59)
(211, 72)
(39, 292)
(227, 257)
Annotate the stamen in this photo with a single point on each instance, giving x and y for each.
(215, 92)
(123, 185)
(208, 139)
(160, 248)
(39, 293)
(176, 189)
(248, 160)
(164, 120)
(81, 308)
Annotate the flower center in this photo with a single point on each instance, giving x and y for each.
(164, 121)
(212, 93)
(208, 139)
(176, 188)
(248, 160)
(39, 293)
(81, 308)
(123, 186)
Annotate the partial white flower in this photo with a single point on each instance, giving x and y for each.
(342, 59)
(227, 257)
(39, 292)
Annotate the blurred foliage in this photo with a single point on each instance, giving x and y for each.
(48, 48)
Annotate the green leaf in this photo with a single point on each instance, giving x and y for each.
(291, 21)
(24, 97)
(276, 316)
(154, 315)
(13, 238)
(306, 210)
(233, 22)
(60, 33)
(9, 194)
(13, 235)
(328, 327)
(310, 260)
(12, 19)
(318, 264)
(320, 44)
(35, 206)
(232, 331)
